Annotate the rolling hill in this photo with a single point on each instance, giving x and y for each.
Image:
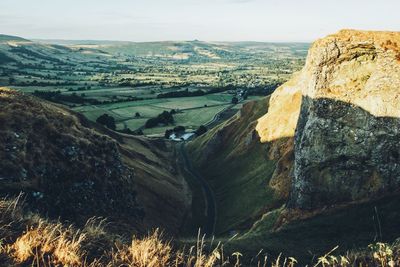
(311, 170)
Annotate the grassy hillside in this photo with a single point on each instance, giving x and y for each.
(71, 168)
(349, 227)
(239, 169)
(237, 166)
(6, 38)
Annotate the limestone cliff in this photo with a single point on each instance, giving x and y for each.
(343, 111)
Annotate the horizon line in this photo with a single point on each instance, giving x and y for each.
(157, 41)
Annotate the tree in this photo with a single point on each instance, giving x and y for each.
(165, 118)
(138, 132)
(107, 121)
(150, 123)
(179, 129)
(235, 100)
(168, 133)
(201, 130)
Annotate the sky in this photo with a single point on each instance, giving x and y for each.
(207, 20)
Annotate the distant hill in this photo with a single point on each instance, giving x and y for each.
(4, 38)
(182, 49)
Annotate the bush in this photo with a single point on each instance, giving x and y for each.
(165, 118)
(150, 123)
(107, 121)
(235, 100)
(179, 129)
(201, 130)
(129, 131)
(168, 133)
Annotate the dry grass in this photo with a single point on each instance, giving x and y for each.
(28, 240)
(49, 243)
(149, 251)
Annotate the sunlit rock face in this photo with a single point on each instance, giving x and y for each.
(346, 125)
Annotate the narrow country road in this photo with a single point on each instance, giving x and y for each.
(217, 116)
(210, 207)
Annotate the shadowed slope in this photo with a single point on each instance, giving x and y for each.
(70, 167)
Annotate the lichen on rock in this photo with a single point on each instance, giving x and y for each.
(343, 110)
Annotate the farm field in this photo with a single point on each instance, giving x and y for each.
(135, 82)
(191, 111)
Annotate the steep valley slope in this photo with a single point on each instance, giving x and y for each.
(313, 166)
(71, 168)
(238, 167)
(321, 167)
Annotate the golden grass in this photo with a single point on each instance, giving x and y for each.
(26, 239)
(49, 243)
(149, 251)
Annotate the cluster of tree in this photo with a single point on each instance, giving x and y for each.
(58, 97)
(107, 121)
(129, 131)
(83, 88)
(201, 130)
(134, 83)
(176, 130)
(221, 89)
(264, 90)
(43, 83)
(234, 100)
(183, 93)
(164, 118)
(120, 100)
(199, 92)
(179, 130)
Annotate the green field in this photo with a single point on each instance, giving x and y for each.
(191, 111)
(123, 78)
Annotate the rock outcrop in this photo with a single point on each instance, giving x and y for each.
(343, 111)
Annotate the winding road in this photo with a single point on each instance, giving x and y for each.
(210, 204)
(217, 116)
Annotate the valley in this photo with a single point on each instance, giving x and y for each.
(292, 159)
(134, 82)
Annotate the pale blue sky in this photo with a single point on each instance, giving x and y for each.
(209, 20)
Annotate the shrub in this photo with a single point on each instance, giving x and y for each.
(107, 121)
(201, 130)
(165, 118)
(235, 100)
